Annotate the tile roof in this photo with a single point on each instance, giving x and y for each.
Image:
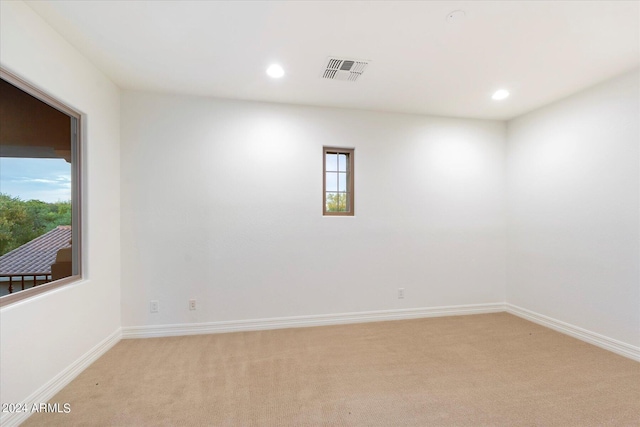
(37, 255)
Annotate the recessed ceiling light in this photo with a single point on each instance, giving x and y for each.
(275, 71)
(500, 94)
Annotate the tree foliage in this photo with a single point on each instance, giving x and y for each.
(22, 221)
(336, 202)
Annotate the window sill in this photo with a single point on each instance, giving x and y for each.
(37, 290)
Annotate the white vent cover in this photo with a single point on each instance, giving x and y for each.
(344, 69)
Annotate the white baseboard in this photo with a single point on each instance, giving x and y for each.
(305, 321)
(48, 390)
(618, 347)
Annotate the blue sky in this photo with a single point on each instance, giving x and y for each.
(48, 180)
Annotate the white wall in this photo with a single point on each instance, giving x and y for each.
(573, 210)
(222, 202)
(42, 336)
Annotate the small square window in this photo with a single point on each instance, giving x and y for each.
(337, 182)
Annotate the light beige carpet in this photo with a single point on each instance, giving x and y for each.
(482, 370)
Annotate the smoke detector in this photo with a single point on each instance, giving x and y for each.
(344, 69)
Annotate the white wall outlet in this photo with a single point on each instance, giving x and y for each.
(154, 307)
(400, 293)
(192, 304)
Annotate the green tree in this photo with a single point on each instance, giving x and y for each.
(336, 202)
(13, 221)
(22, 221)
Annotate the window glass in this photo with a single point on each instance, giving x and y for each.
(332, 181)
(332, 162)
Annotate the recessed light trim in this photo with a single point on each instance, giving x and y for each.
(500, 94)
(275, 71)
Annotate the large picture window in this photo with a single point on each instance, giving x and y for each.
(39, 191)
(338, 181)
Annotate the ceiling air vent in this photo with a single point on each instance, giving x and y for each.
(344, 69)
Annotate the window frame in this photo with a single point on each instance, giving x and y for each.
(350, 180)
(77, 174)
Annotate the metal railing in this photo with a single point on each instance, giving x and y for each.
(36, 279)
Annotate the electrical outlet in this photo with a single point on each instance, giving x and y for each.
(400, 293)
(192, 304)
(154, 307)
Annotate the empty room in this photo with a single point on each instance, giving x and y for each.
(320, 213)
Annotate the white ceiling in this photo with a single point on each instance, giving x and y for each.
(421, 63)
